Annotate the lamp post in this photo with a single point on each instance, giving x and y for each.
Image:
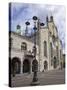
(35, 63)
(27, 24)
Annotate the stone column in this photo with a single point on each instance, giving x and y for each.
(31, 67)
(21, 70)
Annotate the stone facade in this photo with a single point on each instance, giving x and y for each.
(49, 49)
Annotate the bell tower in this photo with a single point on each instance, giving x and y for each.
(51, 25)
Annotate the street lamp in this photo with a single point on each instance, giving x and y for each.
(35, 63)
(27, 24)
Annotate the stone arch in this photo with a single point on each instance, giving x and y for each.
(26, 66)
(16, 65)
(45, 65)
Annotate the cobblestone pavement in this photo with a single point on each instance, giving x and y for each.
(45, 78)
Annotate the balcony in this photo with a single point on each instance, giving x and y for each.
(28, 53)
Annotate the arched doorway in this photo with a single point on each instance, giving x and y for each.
(34, 65)
(16, 65)
(55, 62)
(26, 66)
(45, 65)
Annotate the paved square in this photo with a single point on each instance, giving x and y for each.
(45, 78)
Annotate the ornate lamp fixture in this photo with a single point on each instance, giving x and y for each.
(27, 24)
(42, 24)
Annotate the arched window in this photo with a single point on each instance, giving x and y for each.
(55, 62)
(51, 50)
(45, 65)
(23, 46)
(45, 48)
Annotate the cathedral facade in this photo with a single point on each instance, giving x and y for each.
(48, 49)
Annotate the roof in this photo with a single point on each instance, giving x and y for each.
(28, 38)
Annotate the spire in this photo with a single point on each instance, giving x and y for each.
(47, 19)
(51, 18)
(18, 29)
(18, 26)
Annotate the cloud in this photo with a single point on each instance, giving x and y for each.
(21, 12)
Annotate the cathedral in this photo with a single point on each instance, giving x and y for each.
(48, 48)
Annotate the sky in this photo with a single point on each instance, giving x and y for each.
(22, 12)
